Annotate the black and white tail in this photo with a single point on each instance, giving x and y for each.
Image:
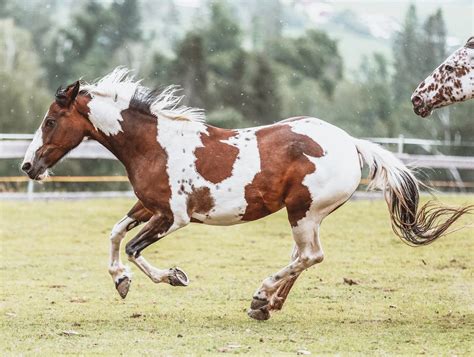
(414, 225)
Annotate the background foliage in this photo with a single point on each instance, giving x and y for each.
(245, 62)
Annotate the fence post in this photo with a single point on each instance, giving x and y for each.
(401, 140)
(30, 189)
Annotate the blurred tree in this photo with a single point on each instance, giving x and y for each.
(315, 56)
(433, 42)
(171, 22)
(227, 62)
(234, 93)
(222, 33)
(88, 44)
(125, 23)
(227, 118)
(160, 70)
(190, 69)
(264, 102)
(23, 100)
(378, 105)
(266, 30)
(407, 53)
(36, 16)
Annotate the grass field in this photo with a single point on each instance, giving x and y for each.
(58, 298)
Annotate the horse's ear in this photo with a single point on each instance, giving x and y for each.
(65, 97)
(470, 42)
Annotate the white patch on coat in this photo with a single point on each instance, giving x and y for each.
(180, 139)
(35, 144)
(110, 95)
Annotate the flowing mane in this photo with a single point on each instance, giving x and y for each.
(121, 85)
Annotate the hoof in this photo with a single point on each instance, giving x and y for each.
(259, 314)
(177, 277)
(123, 285)
(257, 303)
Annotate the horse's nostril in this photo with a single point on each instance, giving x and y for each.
(26, 167)
(416, 100)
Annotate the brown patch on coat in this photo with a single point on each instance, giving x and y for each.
(146, 152)
(140, 214)
(283, 169)
(461, 71)
(215, 159)
(200, 201)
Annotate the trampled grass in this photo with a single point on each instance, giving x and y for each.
(58, 298)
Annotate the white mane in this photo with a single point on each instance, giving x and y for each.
(119, 88)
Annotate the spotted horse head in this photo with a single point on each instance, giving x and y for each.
(452, 81)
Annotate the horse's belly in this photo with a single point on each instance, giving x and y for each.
(224, 213)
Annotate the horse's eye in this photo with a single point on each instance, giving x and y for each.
(50, 123)
(449, 68)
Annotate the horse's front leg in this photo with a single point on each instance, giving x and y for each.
(158, 227)
(120, 273)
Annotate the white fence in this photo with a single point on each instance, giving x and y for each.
(13, 146)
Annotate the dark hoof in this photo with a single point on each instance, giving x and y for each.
(122, 286)
(257, 303)
(259, 314)
(177, 277)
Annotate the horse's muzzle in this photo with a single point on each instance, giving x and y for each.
(34, 172)
(419, 106)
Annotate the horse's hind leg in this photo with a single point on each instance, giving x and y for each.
(120, 273)
(274, 289)
(284, 289)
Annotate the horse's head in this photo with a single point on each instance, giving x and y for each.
(61, 130)
(451, 82)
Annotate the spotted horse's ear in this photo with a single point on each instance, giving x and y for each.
(470, 42)
(65, 97)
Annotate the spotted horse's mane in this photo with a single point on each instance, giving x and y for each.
(120, 85)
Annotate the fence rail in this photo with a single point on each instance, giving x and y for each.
(13, 146)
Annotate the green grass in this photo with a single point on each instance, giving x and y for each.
(54, 279)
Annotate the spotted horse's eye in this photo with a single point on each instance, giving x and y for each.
(449, 68)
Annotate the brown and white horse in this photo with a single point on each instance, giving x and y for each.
(183, 170)
(451, 82)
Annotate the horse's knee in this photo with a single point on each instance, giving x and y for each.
(311, 258)
(120, 228)
(131, 251)
(117, 233)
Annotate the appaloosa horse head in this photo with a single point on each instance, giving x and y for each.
(452, 81)
(183, 170)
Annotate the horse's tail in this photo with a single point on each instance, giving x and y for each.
(414, 225)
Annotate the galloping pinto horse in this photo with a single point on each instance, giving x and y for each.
(451, 82)
(183, 170)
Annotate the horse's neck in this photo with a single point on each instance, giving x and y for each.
(146, 145)
(136, 143)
